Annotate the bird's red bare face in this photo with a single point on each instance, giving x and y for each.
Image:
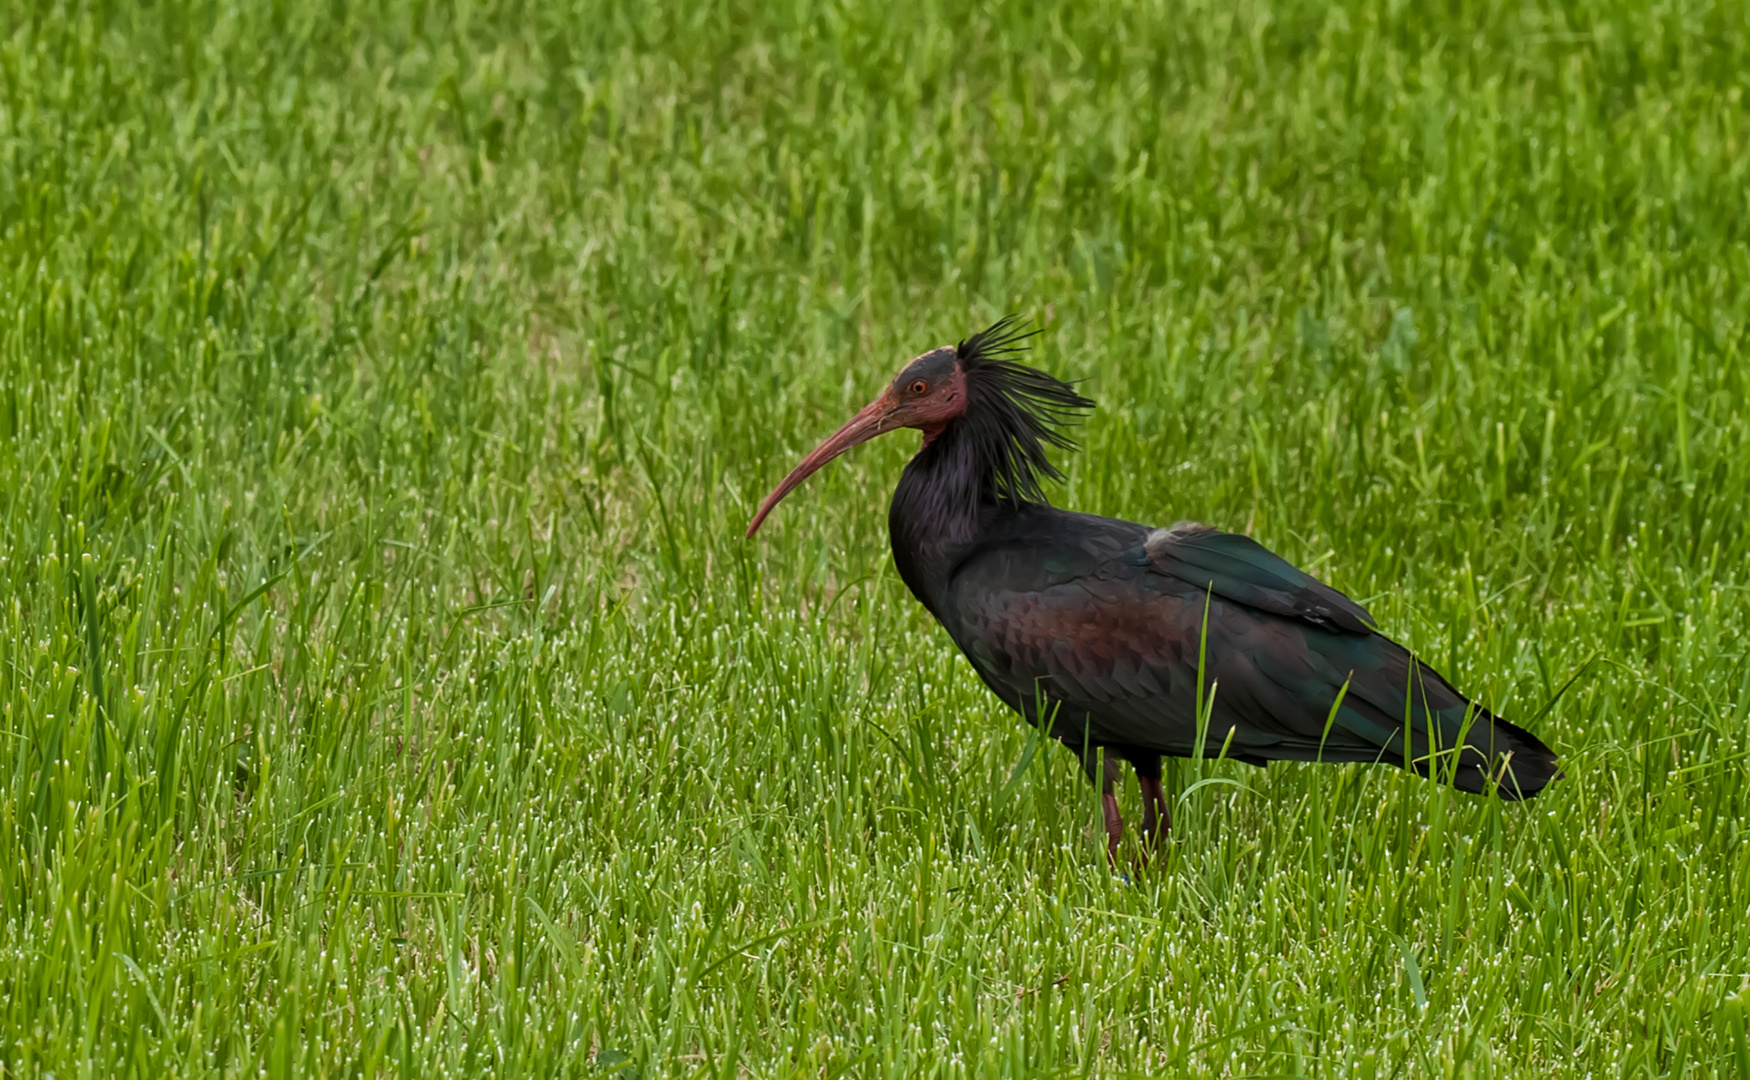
(928, 394)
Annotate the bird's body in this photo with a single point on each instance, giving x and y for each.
(1100, 628)
(1102, 625)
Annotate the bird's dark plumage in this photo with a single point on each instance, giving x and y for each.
(1099, 627)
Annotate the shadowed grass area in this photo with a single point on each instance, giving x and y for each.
(385, 687)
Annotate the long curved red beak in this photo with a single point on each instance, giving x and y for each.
(868, 423)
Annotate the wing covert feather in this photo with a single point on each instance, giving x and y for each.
(1243, 570)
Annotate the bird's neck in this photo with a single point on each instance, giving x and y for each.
(943, 504)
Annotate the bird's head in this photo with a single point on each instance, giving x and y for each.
(927, 394)
(940, 387)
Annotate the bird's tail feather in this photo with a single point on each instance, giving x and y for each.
(1450, 737)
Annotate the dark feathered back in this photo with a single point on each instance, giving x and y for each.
(1013, 412)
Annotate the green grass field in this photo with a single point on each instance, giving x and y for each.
(385, 686)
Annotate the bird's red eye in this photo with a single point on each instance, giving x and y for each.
(920, 387)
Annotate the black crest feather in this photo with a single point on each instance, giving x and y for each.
(1014, 412)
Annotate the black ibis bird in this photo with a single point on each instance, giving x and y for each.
(1098, 627)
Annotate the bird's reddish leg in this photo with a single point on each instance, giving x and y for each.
(1114, 826)
(1106, 763)
(1157, 817)
(1101, 766)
